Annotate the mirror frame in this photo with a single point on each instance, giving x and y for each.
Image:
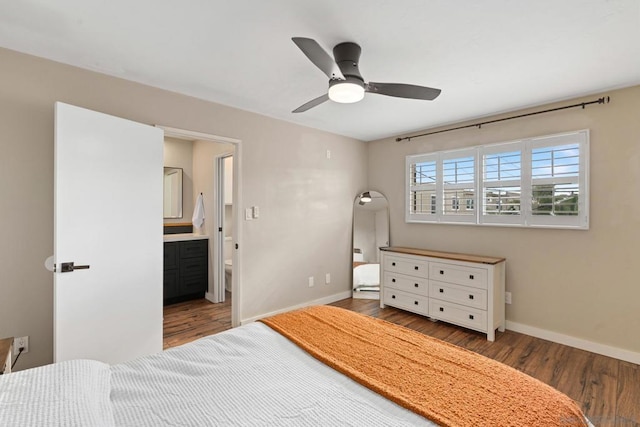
(178, 204)
(358, 204)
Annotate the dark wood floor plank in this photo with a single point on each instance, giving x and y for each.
(608, 390)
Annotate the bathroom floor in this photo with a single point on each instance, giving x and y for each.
(190, 320)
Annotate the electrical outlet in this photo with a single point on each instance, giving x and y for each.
(21, 342)
(248, 214)
(256, 212)
(311, 284)
(327, 278)
(507, 297)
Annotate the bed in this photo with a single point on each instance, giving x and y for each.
(366, 280)
(319, 366)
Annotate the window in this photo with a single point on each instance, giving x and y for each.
(537, 182)
(501, 184)
(422, 187)
(458, 184)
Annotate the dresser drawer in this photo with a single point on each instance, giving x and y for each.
(416, 285)
(409, 266)
(458, 314)
(194, 248)
(464, 295)
(461, 275)
(415, 303)
(171, 257)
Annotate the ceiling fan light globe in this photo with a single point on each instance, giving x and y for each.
(346, 92)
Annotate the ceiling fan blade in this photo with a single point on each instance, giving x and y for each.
(313, 103)
(401, 90)
(319, 57)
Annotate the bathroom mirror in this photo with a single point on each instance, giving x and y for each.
(172, 192)
(370, 233)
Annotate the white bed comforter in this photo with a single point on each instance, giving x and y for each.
(248, 376)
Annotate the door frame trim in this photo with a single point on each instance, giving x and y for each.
(236, 278)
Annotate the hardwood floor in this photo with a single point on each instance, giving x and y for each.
(607, 389)
(190, 320)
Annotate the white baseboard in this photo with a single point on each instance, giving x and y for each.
(366, 295)
(209, 297)
(321, 301)
(582, 344)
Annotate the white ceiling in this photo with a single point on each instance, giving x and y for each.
(487, 56)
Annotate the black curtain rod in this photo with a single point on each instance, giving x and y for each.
(603, 100)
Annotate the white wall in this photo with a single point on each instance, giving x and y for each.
(296, 237)
(581, 284)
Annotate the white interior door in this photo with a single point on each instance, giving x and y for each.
(108, 215)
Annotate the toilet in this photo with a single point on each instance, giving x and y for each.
(228, 268)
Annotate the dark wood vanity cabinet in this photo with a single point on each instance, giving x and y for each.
(186, 270)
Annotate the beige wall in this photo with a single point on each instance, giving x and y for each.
(582, 284)
(178, 153)
(305, 199)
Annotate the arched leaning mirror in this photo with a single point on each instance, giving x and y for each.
(370, 233)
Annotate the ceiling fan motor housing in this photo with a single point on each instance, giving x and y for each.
(347, 55)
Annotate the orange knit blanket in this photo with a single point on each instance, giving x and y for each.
(440, 381)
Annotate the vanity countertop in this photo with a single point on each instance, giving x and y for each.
(183, 236)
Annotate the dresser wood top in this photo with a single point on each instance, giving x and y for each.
(445, 255)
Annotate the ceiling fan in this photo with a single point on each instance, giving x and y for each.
(346, 85)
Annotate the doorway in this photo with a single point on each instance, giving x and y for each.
(224, 218)
(208, 150)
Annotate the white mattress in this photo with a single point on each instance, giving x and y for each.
(248, 376)
(366, 275)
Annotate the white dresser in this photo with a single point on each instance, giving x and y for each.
(466, 290)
